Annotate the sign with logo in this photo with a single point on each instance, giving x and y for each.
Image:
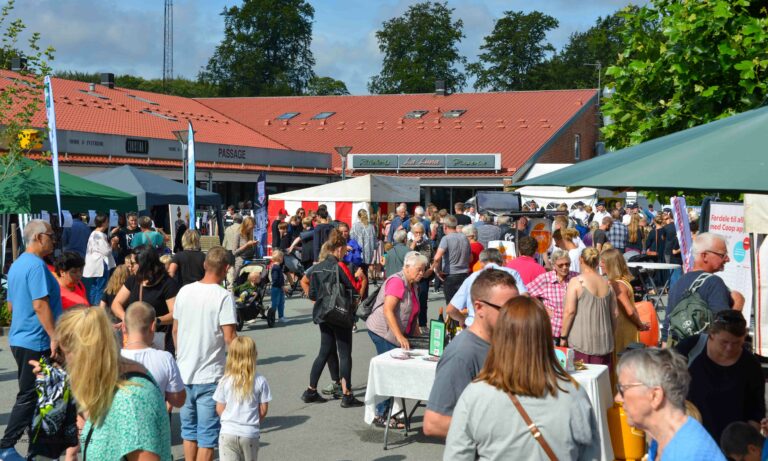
(445, 162)
(436, 337)
(727, 219)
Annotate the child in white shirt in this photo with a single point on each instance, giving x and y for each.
(242, 400)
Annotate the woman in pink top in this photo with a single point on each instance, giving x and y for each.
(395, 314)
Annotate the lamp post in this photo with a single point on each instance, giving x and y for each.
(181, 136)
(343, 151)
(599, 66)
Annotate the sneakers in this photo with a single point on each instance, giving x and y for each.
(10, 454)
(333, 389)
(349, 401)
(282, 320)
(354, 328)
(311, 396)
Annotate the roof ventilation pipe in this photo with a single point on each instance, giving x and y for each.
(92, 87)
(440, 88)
(18, 64)
(108, 80)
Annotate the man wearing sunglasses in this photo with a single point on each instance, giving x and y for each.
(710, 254)
(34, 299)
(465, 355)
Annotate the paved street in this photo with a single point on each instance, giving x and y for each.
(294, 430)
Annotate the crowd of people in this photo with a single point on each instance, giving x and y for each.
(167, 329)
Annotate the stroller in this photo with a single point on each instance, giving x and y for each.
(292, 265)
(250, 287)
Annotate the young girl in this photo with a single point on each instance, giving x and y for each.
(242, 400)
(277, 294)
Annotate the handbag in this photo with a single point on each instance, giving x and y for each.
(535, 432)
(341, 312)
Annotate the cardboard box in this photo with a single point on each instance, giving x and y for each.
(565, 356)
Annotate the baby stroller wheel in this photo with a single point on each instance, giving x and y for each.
(270, 317)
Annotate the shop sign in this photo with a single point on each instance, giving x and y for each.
(444, 162)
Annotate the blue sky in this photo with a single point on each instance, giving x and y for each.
(126, 36)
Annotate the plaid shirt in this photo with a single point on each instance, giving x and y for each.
(618, 235)
(552, 293)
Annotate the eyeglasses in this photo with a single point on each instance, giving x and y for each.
(623, 387)
(722, 255)
(568, 264)
(50, 235)
(495, 306)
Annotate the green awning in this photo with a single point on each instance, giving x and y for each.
(33, 191)
(730, 154)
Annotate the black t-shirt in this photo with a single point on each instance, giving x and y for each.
(321, 233)
(191, 267)
(670, 238)
(155, 295)
(125, 236)
(275, 233)
(285, 242)
(599, 237)
(463, 220)
(725, 394)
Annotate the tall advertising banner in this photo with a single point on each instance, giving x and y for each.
(727, 219)
(260, 210)
(683, 228)
(191, 175)
(50, 112)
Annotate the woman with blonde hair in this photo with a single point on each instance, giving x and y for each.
(536, 406)
(590, 314)
(244, 244)
(628, 322)
(636, 237)
(126, 416)
(188, 263)
(242, 401)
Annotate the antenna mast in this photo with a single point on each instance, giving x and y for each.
(168, 43)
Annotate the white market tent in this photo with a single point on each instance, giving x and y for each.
(345, 198)
(544, 195)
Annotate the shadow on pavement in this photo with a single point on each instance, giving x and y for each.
(8, 376)
(279, 423)
(280, 358)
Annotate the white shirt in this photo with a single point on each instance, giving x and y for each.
(201, 310)
(160, 365)
(241, 418)
(599, 215)
(463, 299)
(580, 214)
(97, 253)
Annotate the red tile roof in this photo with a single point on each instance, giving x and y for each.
(514, 124)
(122, 114)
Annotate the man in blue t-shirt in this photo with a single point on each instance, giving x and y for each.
(710, 256)
(35, 303)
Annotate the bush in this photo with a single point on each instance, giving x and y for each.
(5, 315)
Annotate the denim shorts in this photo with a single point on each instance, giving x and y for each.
(199, 421)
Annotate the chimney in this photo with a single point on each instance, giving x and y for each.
(18, 64)
(108, 80)
(440, 88)
(92, 87)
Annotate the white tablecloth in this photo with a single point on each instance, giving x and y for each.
(390, 377)
(413, 379)
(654, 266)
(597, 383)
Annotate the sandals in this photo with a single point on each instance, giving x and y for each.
(394, 423)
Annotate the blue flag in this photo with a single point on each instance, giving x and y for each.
(51, 114)
(260, 212)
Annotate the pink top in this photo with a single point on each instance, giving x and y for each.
(527, 267)
(395, 287)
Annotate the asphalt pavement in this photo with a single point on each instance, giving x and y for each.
(294, 430)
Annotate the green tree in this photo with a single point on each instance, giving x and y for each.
(21, 100)
(265, 50)
(326, 86)
(178, 86)
(419, 48)
(571, 67)
(684, 64)
(516, 45)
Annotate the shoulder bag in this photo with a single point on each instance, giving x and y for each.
(535, 432)
(340, 311)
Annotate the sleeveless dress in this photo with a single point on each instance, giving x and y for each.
(591, 335)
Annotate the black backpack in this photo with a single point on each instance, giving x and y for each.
(692, 315)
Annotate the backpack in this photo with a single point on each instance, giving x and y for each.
(691, 315)
(366, 307)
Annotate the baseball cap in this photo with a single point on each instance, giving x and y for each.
(282, 211)
(667, 210)
(633, 205)
(601, 203)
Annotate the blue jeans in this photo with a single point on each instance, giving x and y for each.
(199, 421)
(95, 286)
(382, 346)
(278, 301)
